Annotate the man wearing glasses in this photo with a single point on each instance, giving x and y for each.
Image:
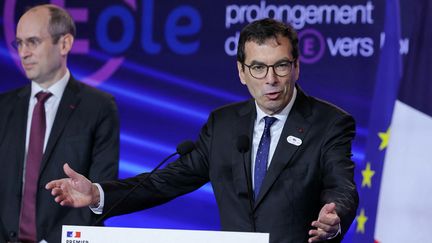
(278, 163)
(53, 120)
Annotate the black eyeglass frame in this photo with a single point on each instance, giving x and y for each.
(273, 67)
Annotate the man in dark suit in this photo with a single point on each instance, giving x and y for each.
(73, 123)
(298, 175)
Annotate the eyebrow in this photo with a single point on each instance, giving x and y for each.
(29, 38)
(285, 59)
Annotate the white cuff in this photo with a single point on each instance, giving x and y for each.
(337, 233)
(99, 208)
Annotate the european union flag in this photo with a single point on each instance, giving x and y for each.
(396, 185)
(385, 94)
(404, 205)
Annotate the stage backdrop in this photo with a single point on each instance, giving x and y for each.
(169, 63)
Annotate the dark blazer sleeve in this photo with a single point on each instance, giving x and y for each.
(105, 150)
(338, 170)
(182, 176)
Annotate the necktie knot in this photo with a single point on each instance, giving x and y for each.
(42, 97)
(269, 122)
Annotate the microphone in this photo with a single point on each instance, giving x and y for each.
(182, 149)
(185, 147)
(243, 147)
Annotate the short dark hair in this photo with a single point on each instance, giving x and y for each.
(261, 30)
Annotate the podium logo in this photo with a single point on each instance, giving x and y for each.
(74, 237)
(73, 234)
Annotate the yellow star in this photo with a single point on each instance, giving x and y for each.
(385, 137)
(361, 221)
(367, 176)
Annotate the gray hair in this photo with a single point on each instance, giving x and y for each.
(60, 23)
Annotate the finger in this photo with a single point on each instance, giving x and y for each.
(325, 227)
(70, 172)
(330, 207)
(329, 219)
(63, 200)
(59, 199)
(56, 191)
(65, 203)
(315, 238)
(317, 235)
(53, 184)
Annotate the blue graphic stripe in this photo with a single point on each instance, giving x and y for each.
(172, 79)
(153, 100)
(139, 141)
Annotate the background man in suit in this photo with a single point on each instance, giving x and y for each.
(299, 162)
(53, 120)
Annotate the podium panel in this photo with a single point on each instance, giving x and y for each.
(93, 234)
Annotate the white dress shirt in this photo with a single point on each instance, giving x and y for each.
(275, 131)
(51, 107)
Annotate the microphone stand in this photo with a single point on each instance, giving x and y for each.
(243, 147)
(249, 190)
(132, 190)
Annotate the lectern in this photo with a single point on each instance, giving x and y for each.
(93, 234)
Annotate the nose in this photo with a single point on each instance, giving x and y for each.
(271, 77)
(24, 52)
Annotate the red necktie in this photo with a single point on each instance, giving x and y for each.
(27, 226)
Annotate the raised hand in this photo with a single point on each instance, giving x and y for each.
(75, 191)
(327, 225)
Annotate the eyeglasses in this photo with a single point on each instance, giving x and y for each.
(31, 43)
(260, 71)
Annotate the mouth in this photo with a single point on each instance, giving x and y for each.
(273, 95)
(27, 66)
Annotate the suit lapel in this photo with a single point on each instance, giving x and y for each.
(20, 125)
(68, 104)
(296, 126)
(243, 126)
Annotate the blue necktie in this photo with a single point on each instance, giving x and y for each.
(262, 155)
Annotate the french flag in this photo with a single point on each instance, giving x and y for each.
(405, 200)
(73, 234)
(395, 178)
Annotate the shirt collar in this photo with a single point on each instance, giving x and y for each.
(283, 114)
(56, 89)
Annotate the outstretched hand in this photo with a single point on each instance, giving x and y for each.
(76, 191)
(327, 225)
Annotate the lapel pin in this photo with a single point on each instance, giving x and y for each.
(72, 107)
(294, 140)
(300, 129)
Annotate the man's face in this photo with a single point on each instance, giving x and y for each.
(272, 93)
(44, 63)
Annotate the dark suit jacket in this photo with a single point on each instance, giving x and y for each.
(85, 134)
(299, 181)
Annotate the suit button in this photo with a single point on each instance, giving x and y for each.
(12, 235)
